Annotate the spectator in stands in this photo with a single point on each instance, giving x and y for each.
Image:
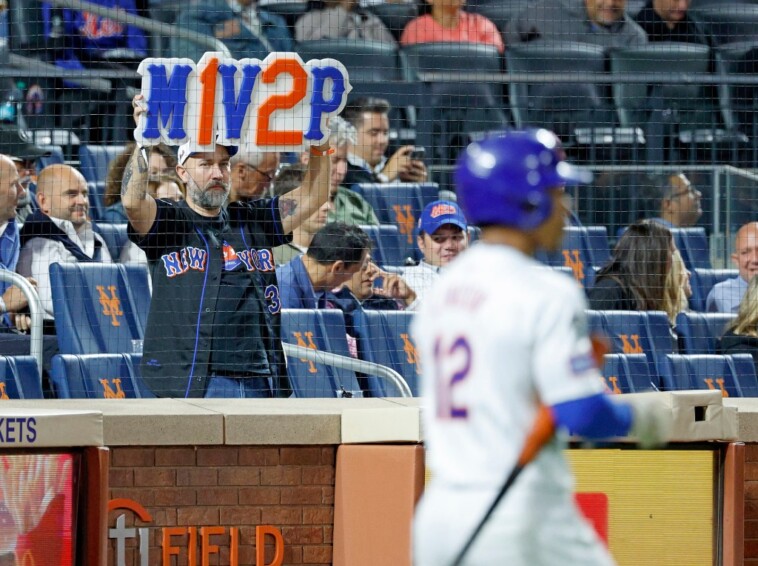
(302, 236)
(213, 326)
(24, 154)
(726, 296)
(602, 22)
(678, 288)
(337, 252)
(341, 19)
(349, 206)
(253, 172)
(667, 20)
(448, 22)
(85, 40)
(674, 200)
(635, 277)
(12, 300)
(741, 335)
(60, 231)
(367, 164)
(442, 236)
(362, 292)
(162, 160)
(246, 30)
(167, 187)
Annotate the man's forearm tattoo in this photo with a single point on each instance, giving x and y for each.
(126, 179)
(287, 207)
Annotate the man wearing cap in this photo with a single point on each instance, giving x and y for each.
(213, 327)
(24, 154)
(442, 237)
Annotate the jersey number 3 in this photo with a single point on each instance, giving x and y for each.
(458, 354)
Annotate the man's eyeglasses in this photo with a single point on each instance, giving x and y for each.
(269, 176)
(688, 191)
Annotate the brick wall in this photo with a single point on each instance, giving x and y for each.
(751, 505)
(291, 488)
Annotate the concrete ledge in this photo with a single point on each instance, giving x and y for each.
(48, 427)
(747, 417)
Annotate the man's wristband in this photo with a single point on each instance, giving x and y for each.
(320, 152)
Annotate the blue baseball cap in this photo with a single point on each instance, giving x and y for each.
(440, 212)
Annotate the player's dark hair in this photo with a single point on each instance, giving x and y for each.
(641, 262)
(355, 109)
(338, 241)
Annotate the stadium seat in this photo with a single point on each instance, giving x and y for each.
(598, 245)
(96, 310)
(389, 247)
(729, 22)
(627, 373)
(682, 115)
(395, 15)
(499, 12)
(19, 378)
(94, 161)
(699, 332)
(290, 11)
(702, 281)
(580, 113)
(320, 330)
(743, 366)
(98, 376)
(384, 338)
(365, 60)
(574, 254)
(115, 236)
(55, 157)
(692, 243)
(96, 206)
(699, 371)
(400, 204)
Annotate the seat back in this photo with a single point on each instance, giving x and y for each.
(115, 236)
(743, 366)
(290, 11)
(562, 107)
(599, 245)
(692, 243)
(699, 371)
(365, 60)
(395, 15)
(699, 332)
(95, 308)
(389, 247)
(19, 378)
(728, 22)
(94, 160)
(627, 373)
(400, 204)
(319, 330)
(703, 280)
(96, 376)
(574, 254)
(500, 12)
(95, 195)
(384, 338)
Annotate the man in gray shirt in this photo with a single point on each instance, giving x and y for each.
(602, 22)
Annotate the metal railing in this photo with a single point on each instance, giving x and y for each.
(35, 310)
(344, 362)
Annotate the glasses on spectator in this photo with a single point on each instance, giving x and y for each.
(691, 190)
(269, 176)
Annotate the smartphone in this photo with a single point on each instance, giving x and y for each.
(418, 154)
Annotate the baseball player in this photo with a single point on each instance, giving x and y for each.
(500, 337)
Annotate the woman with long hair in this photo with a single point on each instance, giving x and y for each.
(635, 278)
(741, 336)
(678, 288)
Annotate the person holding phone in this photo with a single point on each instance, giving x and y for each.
(367, 162)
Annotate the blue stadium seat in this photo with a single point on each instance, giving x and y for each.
(743, 367)
(693, 245)
(97, 376)
(599, 246)
(703, 280)
(627, 373)
(384, 338)
(633, 332)
(320, 330)
(96, 192)
(115, 237)
(400, 204)
(574, 254)
(365, 60)
(94, 161)
(389, 247)
(96, 311)
(699, 371)
(55, 157)
(699, 332)
(19, 378)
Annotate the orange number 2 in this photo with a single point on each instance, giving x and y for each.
(266, 137)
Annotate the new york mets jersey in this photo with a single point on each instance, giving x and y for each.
(499, 334)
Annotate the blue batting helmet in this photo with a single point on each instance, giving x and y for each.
(504, 179)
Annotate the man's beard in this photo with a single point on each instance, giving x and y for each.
(207, 198)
